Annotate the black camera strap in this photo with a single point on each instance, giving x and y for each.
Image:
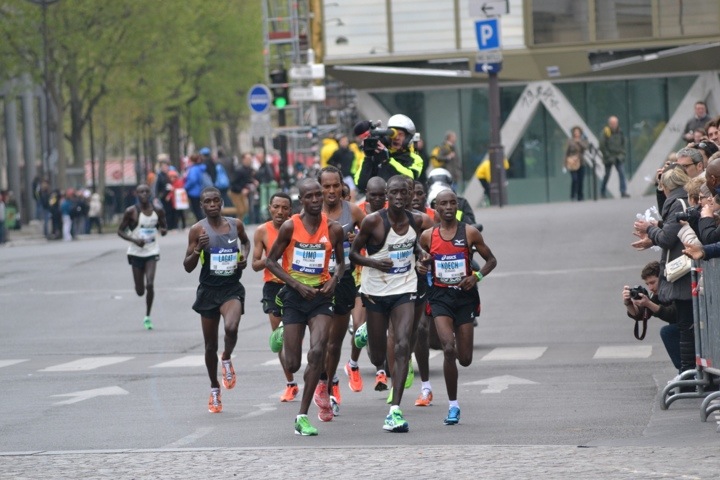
(646, 315)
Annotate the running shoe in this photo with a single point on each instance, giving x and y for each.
(214, 404)
(425, 398)
(389, 399)
(453, 417)
(276, 339)
(228, 374)
(361, 336)
(147, 323)
(322, 400)
(380, 382)
(303, 427)
(410, 375)
(355, 381)
(336, 392)
(291, 391)
(335, 406)
(395, 422)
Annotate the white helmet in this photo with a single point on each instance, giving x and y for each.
(434, 191)
(439, 175)
(403, 122)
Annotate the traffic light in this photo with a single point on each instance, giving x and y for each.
(279, 86)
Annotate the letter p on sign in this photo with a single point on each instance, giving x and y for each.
(488, 33)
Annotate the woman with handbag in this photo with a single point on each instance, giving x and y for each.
(574, 162)
(674, 274)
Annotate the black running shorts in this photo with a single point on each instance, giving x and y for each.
(298, 310)
(270, 291)
(460, 305)
(208, 300)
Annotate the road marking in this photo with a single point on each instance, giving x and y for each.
(514, 353)
(624, 351)
(187, 361)
(88, 394)
(190, 439)
(89, 363)
(7, 363)
(263, 408)
(498, 384)
(276, 362)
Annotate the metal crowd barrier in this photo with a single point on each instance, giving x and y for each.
(706, 313)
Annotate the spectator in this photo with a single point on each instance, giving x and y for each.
(612, 147)
(66, 209)
(163, 188)
(42, 197)
(575, 162)
(641, 306)
(196, 179)
(80, 212)
(445, 156)
(240, 186)
(180, 202)
(419, 146)
(712, 130)
(56, 214)
(691, 161)
(329, 145)
(706, 148)
(94, 213)
(666, 236)
(207, 160)
(698, 121)
(343, 159)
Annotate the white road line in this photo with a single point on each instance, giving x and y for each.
(623, 351)
(187, 361)
(190, 439)
(276, 362)
(89, 363)
(7, 363)
(514, 353)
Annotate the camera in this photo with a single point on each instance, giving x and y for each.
(636, 291)
(692, 213)
(370, 144)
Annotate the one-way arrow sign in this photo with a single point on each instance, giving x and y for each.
(88, 394)
(498, 384)
(488, 8)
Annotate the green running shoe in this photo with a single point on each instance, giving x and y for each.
(410, 375)
(361, 336)
(395, 422)
(389, 399)
(147, 323)
(276, 339)
(303, 427)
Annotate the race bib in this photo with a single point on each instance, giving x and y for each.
(401, 256)
(308, 258)
(450, 269)
(346, 254)
(223, 261)
(148, 234)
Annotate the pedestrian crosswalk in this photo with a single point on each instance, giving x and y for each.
(498, 354)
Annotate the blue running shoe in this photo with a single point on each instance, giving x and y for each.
(453, 417)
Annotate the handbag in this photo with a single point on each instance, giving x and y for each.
(572, 162)
(680, 266)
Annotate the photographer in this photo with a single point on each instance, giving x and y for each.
(641, 306)
(387, 152)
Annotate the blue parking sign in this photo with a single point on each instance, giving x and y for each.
(488, 33)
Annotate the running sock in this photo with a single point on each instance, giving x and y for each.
(214, 390)
(300, 416)
(396, 407)
(353, 363)
(454, 403)
(380, 371)
(426, 386)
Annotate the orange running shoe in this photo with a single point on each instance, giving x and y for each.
(291, 390)
(321, 398)
(355, 381)
(381, 382)
(424, 399)
(228, 374)
(336, 392)
(214, 404)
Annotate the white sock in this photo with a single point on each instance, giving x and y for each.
(380, 371)
(394, 407)
(300, 416)
(426, 386)
(353, 363)
(215, 390)
(454, 403)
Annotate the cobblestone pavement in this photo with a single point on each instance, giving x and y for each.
(470, 461)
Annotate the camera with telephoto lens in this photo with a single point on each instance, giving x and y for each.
(377, 134)
(636, 291)
(692, 213)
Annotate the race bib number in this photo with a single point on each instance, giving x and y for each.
(450, 269)
(223, 261)
(346, 255)
(401, 256)
(308, 258)
(148, 234)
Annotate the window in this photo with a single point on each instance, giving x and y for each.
(560, 21)
(620, 19)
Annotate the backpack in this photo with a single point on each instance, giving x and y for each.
(222, 182)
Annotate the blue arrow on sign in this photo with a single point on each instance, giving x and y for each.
(259, 98)
(488, 67)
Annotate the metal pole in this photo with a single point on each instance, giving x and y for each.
(92, 154)
(498, 191)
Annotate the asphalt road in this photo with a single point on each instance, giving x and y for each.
(555, 361)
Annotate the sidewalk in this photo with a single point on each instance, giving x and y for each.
(434, 461)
